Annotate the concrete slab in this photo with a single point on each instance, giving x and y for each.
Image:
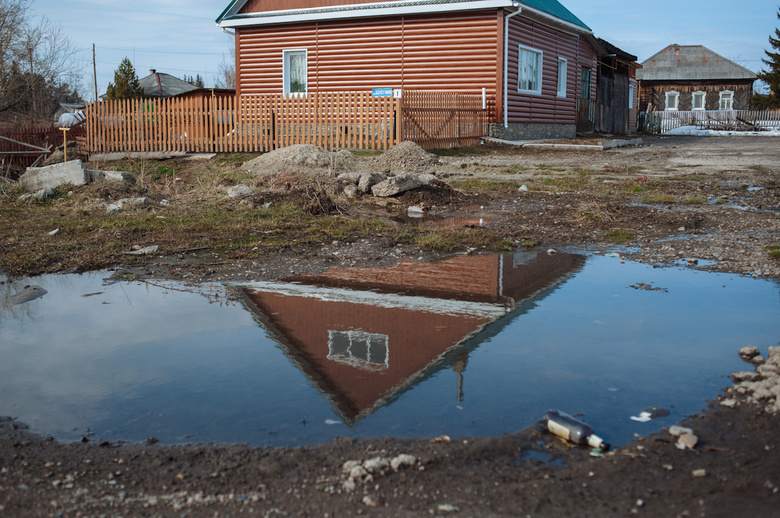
(151, 155)
(52, 176)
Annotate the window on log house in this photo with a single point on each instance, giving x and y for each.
(698, 101)
(562, 66)
(672, 98)
(295, 72)
(529, 70)
(726, 100)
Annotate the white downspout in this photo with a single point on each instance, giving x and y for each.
(506, 60)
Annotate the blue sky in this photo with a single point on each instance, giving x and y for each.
(180, 37)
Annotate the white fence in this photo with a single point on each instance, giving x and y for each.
(734, 120)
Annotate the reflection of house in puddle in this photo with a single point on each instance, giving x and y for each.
(365, 335)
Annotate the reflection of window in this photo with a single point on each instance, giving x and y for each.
(359, 349)
(698, 100)
(585, 83)
(726, 100)
(529, 70)
(671, 100)
(562, 65)
(295, 71)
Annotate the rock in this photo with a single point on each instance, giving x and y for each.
(687, 441)
(679, 430)
(767, 370)
(738, 377)
(358, 473)
(402, 461)
(698, 473)
(143, 251)
(42, 194)
(749, 352)
(73, 172)
(28, 293)
(349, 465)
(396, 185)
(350, 177)
(367, 181)
(116, 208)
(116, 176)
(349, 485)
(757, 360)
(241, 190)
(426, 179)
(728, 403)
(376, 465)
(350, 190)
(371, 501)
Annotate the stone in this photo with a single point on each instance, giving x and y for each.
(42, 194)
(679, 430)
(358, 473)
(402, 461)
(120, 205)
(371, 501)
(241, 190)
(396, 185)
(376, 465)
(349, 465)
(349, 485)
(426, 179)
(350, 191)
(738, 377)
(749, 352)
(28, 293)
(367, 181)
(728, 403)
(757, 360)
(350, 177)
(767, 370)
(698, 473)
(687, 441)
(73, 172)
(116, 176)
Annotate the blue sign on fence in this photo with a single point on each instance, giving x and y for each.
(382, 92)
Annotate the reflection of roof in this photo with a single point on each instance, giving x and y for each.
(691, 63)
(363, 348)
(160, 84)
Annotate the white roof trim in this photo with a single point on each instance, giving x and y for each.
(376, 9)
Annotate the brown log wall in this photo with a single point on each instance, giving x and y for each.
(547, 108)
(456, 53)
(655, 95)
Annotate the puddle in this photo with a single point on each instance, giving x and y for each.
(470, 346)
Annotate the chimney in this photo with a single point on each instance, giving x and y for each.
(152, 71)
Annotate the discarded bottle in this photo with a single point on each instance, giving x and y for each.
(572, 429)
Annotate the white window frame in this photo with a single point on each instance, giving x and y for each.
(727, 99)
(563, 67)
(360, 349)
(522, 51)
(630, 97)
(703, 97)
(672, 94)
(286, 90)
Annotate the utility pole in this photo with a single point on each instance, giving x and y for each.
(94, 71)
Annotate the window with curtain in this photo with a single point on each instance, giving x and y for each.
(295, 72)
(529, 70)
(726, 100)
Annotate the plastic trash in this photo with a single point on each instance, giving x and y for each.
(650, 413)
(523, 187)
(54, 231)
(572, 429)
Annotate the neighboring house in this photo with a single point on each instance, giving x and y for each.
(159, 84)
(534, 57)
(616, 92)
(692, 77)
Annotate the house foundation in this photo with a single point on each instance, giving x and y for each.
(529, 131)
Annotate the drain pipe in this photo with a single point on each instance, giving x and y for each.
(506, 58)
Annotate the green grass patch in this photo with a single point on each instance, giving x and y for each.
(477, 185)
(619, 236)
(774, 251)
(660, 198)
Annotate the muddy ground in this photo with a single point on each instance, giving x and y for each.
(707, 203)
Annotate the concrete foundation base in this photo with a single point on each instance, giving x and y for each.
(531, 131)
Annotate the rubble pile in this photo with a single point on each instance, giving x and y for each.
(759, 387)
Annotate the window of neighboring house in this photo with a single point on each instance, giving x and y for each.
(529, 70)
(699, 100)
(726, 100)
(295, 71)
(630, 97)
(562, 66)
(585, 83)
(359, 348)
(672, 98)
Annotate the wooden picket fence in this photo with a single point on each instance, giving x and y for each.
(259, 123)
(731, 120)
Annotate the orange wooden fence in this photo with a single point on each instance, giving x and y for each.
(258, 123)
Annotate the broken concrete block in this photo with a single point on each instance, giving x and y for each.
(396, 185)
(120, 205)
(241, 190)
(367, 181)
(53, 176)
(118, 176)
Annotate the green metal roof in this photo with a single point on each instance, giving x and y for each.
(556, 9)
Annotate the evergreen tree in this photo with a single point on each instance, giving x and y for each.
(198, 81)
(771, 75)
(125, 85)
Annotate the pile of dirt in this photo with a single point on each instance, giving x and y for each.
(304, 158)
(405, 157)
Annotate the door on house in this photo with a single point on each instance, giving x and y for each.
(585, 84)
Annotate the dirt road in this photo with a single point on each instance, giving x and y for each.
(712, 202)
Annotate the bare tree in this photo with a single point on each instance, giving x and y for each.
(227, 68)
(36, 59)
